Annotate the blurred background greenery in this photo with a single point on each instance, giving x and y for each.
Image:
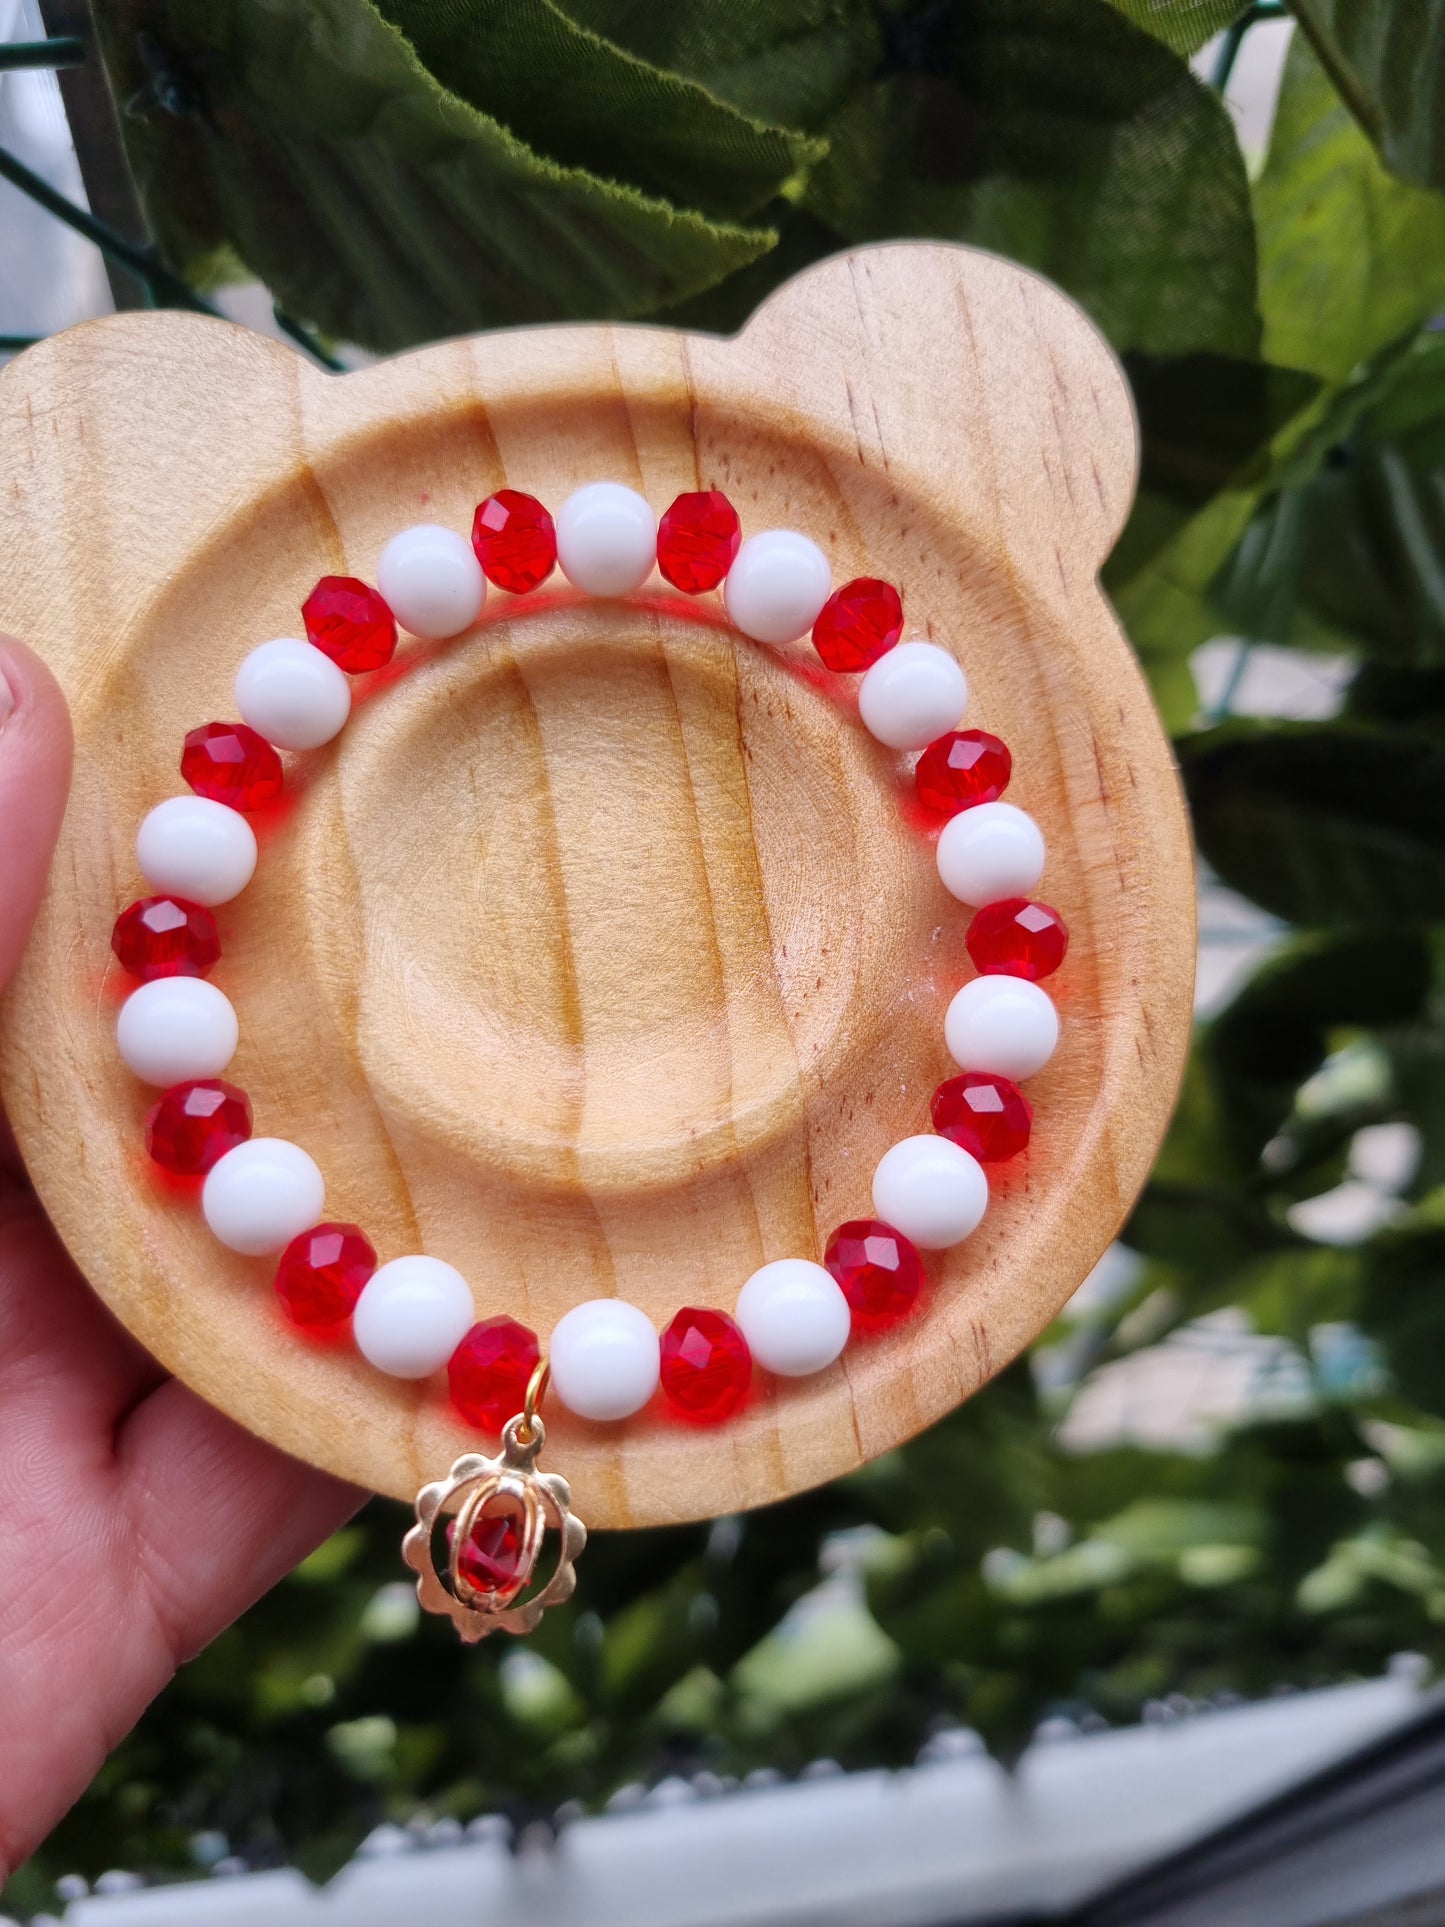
(397, 170)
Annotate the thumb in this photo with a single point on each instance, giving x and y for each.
(35, 753)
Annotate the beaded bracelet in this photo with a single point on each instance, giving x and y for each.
(415, 1314)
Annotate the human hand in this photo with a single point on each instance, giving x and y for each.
(135, 1522)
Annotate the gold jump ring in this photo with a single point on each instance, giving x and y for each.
(536, 1391)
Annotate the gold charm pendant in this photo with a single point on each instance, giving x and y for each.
(503, 1507)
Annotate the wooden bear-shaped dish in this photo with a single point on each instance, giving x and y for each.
(604, 952)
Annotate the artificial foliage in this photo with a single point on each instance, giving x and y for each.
(400, 169)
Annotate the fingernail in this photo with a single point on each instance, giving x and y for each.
(7, 700)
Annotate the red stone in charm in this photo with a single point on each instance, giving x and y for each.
(878, 1271)
(165, 937)
(859, 623)
(195, 1124)
(706, 1365)
(495, 1559)
(1016, 938)
(515, 541)
(697, 540)
(965, 767)
(350, 621)
(322, 1273)
(231, 764)
(986, 1115)
(489, 1372)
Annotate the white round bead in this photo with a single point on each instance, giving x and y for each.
(1005, 1025)
(913, 695)
(931, 1190)
(430, 579)
(794, 1317)
(605, 1359)
(990, 851)
(260, 1196)
(606, 539)
(292, 695)
(189, 846)
(777, 585)
(411, 1316)
(177, 1027)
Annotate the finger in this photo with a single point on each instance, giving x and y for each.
(68, 1371)
(35, 752)
(219, 1515)
(11, 1164)
(198, 1521)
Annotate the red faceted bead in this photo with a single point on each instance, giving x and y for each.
(350, 622)
(878, 1271)
(965, 767)
(495, 1558)
(166, 937)
(706, 1365)
(515, 540)
(859, 623)
(697, 539)
(489, 1372)
(322, 1272)
(195, 1124)
(986, 1115)
(1016, 938)
(231, 764)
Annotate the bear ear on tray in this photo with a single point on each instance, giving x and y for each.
(969, 371)
(604, 954)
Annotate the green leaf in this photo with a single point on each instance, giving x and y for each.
(1387, 61)
(1386, 694)
(1403, 1304)
(569, 92)
(1374, 564)
(1056, 133)
(1210, 426)
(1206, 423)
(1379, 1556)
(371, 200)
(1196, 1150)
(1292, 1291)
(1351, 262)
(1257, 592)
(974, 1479)
(1157, 1528)
(1350, 558)
(1415, 1057)
(1203, 1231)
(828, 1650)
(1184, 25)
(786, 61)
(652, 1643)
(1374, 559)
(1349, 257)
(1323, 823)
(1277, 1031)
(1165, 604)
(1172, 604)
(802, 240)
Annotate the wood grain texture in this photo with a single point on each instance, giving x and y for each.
(604, 952)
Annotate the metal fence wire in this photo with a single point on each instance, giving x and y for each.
(160, 285)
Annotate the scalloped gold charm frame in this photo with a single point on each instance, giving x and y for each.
(473, 1480)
